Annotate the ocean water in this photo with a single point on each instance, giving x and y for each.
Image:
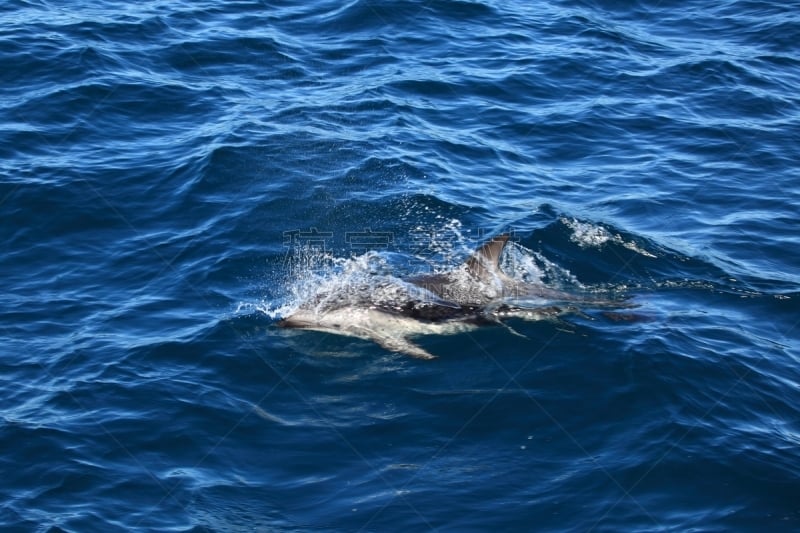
(175, 177)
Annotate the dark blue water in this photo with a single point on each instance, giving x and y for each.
(162, 161)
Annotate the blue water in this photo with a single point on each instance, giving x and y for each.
(161, 163)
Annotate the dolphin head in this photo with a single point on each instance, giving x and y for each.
(300, 319)
(334, 319)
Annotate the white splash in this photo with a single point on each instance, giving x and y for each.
(319, 281)
(528, 266)
(587, 235)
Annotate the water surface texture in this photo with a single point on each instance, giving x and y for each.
(177, 176)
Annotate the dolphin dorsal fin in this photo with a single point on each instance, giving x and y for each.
(484, 263)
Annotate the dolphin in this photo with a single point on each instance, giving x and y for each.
(475, 294)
